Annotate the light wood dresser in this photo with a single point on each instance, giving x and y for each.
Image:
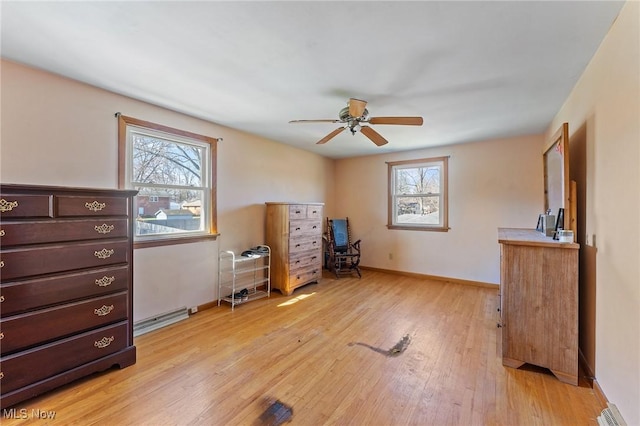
(294, 233)
(65, 287)
(539, 302)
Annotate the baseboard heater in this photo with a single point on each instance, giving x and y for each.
(610, 416)
(159, 321)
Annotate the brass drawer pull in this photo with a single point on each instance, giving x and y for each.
(1, 335)
(1, 375)
(1, 263)
(2, 233)
(104, 228)
(7, 206)
(104, 253)
(95, 206)
(1, 299)
(105, 310)
(105, 281)
(104, 342)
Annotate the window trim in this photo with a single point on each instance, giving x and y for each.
(123, 123)
(444, 197)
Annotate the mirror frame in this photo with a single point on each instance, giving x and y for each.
(560, 142)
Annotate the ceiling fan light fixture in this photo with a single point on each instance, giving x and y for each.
(345, 116)
(356, 113)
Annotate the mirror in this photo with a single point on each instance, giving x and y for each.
(557, 186)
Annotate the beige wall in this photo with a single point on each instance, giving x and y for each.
(57, 131)
(603, 112)
(495, 183)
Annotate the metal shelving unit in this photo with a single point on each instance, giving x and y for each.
(242, 279)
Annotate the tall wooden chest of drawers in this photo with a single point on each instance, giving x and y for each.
(66, 306)
(294, 233)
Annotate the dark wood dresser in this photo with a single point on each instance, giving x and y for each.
(66, 305)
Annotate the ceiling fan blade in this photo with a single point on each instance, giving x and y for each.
(373, 135)
(330, 136)
(356, 107)
(315, 121)
(407, 121)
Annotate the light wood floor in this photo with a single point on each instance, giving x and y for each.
(224, 368)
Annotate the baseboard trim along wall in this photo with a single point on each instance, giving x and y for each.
(590, 376)
(207, 305)
(433, 277)
(599, 393)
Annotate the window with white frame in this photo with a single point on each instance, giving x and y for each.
(173, 172)
(418, 196)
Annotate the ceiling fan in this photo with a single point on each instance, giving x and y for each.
(354, 115)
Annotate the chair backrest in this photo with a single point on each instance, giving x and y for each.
(340, 231)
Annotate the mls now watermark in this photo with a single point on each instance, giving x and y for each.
(23, 413)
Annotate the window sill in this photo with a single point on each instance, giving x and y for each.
(174, 241)
(419, 228)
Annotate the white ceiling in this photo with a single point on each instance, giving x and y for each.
(474, 70)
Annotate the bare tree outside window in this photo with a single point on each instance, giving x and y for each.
(167, 171)
(160, 161)
(172, 171)
(417, 194)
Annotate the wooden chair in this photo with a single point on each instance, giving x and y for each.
(343, 257)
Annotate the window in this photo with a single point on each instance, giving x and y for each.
(418, 194)
(173, 172)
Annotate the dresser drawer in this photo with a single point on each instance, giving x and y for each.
(304, 227)
(297, 211)
(24, 368)
(298, 245)
(301, 277)
(25, 206)
(314, 212)
(21, 296)
(25, 330)
(37, 260)
(70, 205)
(14, 233)
(311, 258)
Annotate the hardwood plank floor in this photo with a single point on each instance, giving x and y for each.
(319, 351)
